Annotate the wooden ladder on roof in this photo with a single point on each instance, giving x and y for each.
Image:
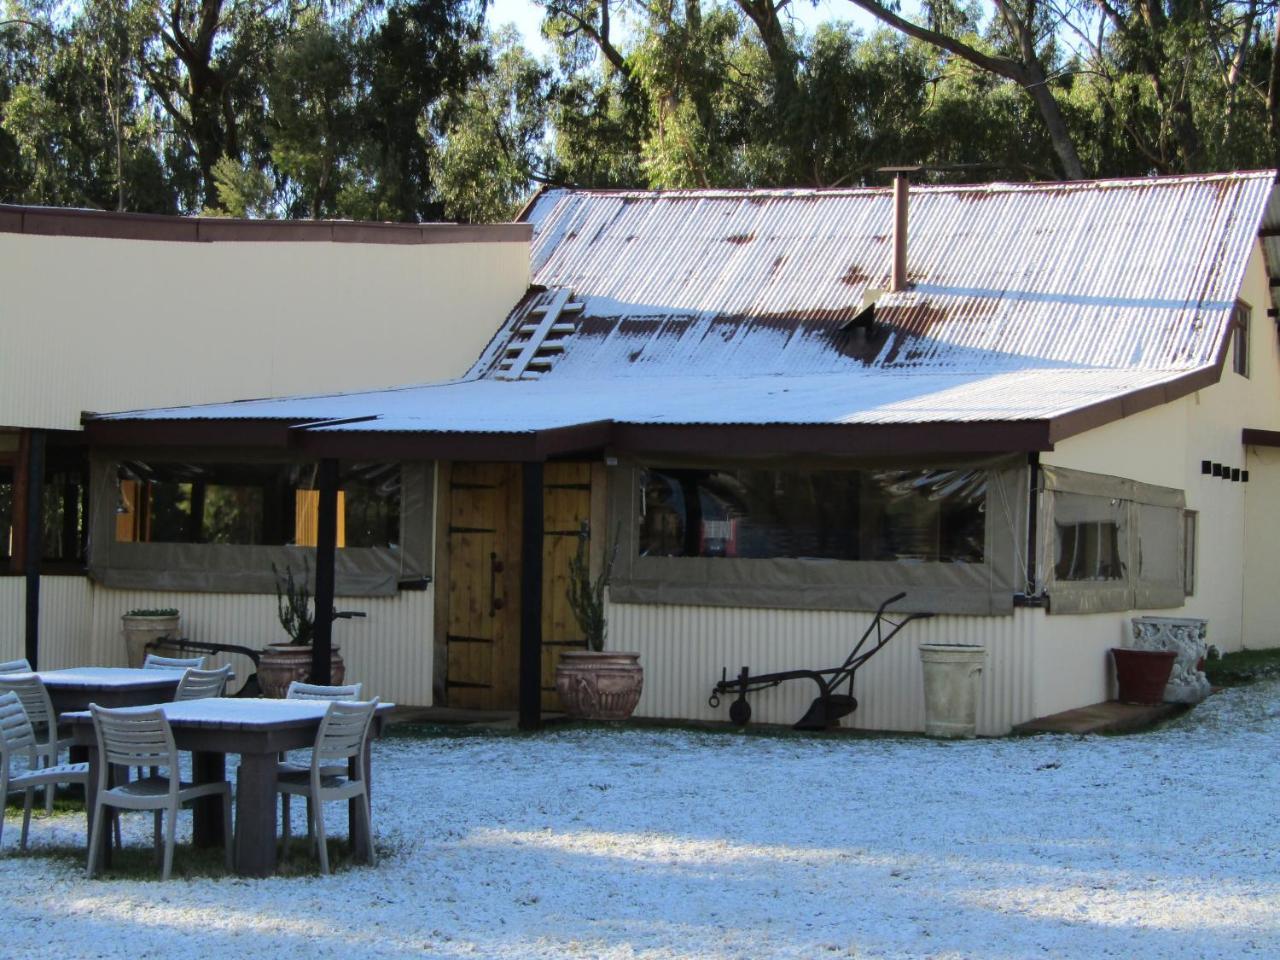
(539, 339)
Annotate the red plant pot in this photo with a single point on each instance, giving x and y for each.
(1142, 674)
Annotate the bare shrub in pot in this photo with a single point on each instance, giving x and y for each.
(595, 684)
(282, 663)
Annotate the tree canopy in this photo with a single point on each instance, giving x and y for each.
(417, 109)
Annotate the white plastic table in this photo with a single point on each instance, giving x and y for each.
(76, 688)
(258, 730)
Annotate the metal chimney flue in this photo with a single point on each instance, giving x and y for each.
(901, 201)
(901, 193)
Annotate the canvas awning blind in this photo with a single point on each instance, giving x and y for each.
(247, 568)
(985, 587)
(1142, 524)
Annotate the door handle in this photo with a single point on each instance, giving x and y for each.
(496, 603)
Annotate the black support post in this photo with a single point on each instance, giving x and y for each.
(1033, 510)
(326, 550)
(531, 598)
(34, 540)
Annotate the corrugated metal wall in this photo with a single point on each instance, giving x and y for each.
(389, 651)
(684, 648)
(66, 605)
(66, 612)
(12, 614)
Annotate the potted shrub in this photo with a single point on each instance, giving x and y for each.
(142, 627)
(282, 663)
(595, 684)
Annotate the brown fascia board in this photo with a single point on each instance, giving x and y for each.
(1126, 405)
(190, 433)
(1251, 437)
(53, 222)
(709, 440)
(522, 216)
(526, 446)
(851, 440)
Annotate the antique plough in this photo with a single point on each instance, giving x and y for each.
(830, 705)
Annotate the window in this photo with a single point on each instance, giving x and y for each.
(876, 515)
(6, 511)
(64, 508)
(1240, 317)
(253, 504)
(224, 525)
(1088, 551)
(1189, 541)
(1111, 543)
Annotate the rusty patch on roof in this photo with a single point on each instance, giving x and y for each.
(732, 283)
(854, 276)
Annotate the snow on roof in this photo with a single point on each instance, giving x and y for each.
(1027, 301)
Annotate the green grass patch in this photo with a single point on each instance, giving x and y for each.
(1243, 667)
(139, 862)
(64, 801)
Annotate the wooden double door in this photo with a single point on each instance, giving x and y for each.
(481, 613)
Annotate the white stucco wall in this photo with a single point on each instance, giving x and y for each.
(1239, 530)
(114, 324)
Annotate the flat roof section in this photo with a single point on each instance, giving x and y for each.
(111, 225)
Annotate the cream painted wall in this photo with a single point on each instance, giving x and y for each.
(1261, 549)
(1165, 445)
(105, 325)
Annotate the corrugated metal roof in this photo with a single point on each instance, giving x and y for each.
(1137, 274)
(859, 397)
(1029, 302)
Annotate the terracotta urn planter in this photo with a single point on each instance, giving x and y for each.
(143, 628)
(283, 663)
(1142, 674)
(603, 685)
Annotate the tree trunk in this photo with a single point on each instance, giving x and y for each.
(1054, 122)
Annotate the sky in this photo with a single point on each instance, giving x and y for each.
(527, 16)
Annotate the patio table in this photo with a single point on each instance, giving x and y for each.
(76, 688)
(256, 729)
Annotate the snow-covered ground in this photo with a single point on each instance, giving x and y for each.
(651, 843)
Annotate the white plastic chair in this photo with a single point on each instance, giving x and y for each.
(157, 662)
(21, 665)
(17, 737)
(314, 691)
(200, 684)
(44, 722)
(343, 735)
(131, 738)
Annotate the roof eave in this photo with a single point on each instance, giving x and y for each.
(716, 441)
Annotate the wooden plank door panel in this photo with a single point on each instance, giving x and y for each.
(483, 593)
(566, 507)
(484, 524)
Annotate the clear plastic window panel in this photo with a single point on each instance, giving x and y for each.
(253, 503)
(908, 515)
